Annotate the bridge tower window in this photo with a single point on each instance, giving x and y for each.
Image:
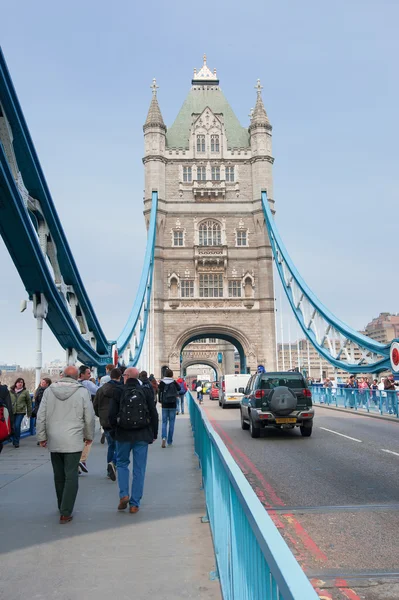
(210, 234)
(235, 288)
(201, 174)
(201, 143)
(242, 237)
(187, 288)
(215, 145)
(211, 285)
(187, 174)
(215, 173)
(178, 237)
(230, 174)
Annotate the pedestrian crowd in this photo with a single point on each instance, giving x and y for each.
(360, 391)
(124, 400)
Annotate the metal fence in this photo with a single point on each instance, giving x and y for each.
(372, 401)
(253, 560)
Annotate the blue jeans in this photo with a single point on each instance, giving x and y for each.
(17, 429)
(168, 414)
(140, 452)
(180, 404)
(111, 452)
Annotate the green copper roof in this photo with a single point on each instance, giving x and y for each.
(197, 100)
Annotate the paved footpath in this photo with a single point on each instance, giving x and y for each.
(164, 551)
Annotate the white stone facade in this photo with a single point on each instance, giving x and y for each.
(211, 235)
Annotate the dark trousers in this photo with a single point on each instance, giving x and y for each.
(66, 479)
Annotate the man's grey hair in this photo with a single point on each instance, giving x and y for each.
(71, 371)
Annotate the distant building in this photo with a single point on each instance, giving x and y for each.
(383, 328)
(10, 368)
(54, 368)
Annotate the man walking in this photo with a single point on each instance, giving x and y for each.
(182, 393)
(101, 405)
(107, 377)
(134, 420)
(85, 380)
(168, 392)
(65, 422)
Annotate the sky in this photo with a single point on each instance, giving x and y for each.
(83, 70)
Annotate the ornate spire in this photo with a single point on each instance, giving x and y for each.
(205, 75)
(154, 117)
(259, 116)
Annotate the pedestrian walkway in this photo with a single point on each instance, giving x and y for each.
(164, 551)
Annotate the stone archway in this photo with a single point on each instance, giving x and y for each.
(223, 332)
(209, 363)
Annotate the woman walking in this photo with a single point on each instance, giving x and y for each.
(21, 406)
(45, 382)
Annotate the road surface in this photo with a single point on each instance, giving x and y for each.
(334, 496)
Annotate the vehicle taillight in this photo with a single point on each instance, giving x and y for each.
(223, 386)
(259, 394)
(307, 393)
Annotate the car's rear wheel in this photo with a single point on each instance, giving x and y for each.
(244, 424)
(253, 430)
(306, 430)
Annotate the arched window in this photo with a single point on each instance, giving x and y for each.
(210, 234)
(215, 143)
(200, 143)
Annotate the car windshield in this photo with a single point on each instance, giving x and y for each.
(294, 381)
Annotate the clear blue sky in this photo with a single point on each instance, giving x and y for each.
(82, 71)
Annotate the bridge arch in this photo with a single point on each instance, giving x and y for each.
(202, 361)
(222, 332)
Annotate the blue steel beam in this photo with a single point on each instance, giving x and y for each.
(19, 234)
(142, 302)
(23, 245)
(35, 182)
(332, 338)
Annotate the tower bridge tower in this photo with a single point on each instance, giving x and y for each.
(213, 263)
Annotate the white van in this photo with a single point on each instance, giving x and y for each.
(230, 386)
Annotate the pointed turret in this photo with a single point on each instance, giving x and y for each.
(154, 117)
(261, 146)
(154, 143)
(259, 116)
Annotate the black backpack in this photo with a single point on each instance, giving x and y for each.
(169, 394)
(133, 409)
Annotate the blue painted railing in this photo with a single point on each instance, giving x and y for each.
(372, 401)
(253, 560)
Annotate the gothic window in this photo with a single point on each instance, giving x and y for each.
(187, 288)
(242, 237)
(215, 146)
(187, 174)
(230, 174)
(178, 238)
(211, 285)
(200, 143)
(212, 340)
(201, 174)
(235, 288)
(215, 173)
(210, 234)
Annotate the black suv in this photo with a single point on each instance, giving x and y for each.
(281, 400)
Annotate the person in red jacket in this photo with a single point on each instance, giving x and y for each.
(182, 393)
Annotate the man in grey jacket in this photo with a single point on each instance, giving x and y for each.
(65, 423)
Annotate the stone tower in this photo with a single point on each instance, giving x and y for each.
(213, 264)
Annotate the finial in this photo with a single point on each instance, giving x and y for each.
(154, 87)
(259, 87)
(204, 59)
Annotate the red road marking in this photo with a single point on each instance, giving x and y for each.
(247, 467)
(348, 593)
(307, 541)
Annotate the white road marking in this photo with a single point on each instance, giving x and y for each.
(390, 452)
(341, 434)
